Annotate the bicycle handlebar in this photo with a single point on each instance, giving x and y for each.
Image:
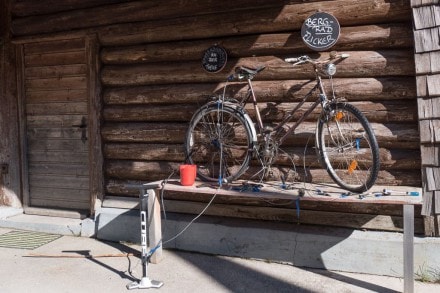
(306, 59)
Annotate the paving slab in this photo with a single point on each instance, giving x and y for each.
(80, 264)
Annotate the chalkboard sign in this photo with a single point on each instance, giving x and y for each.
(214, 59)
(320, 31)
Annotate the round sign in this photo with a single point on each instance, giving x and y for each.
(320, 31)
(214, 59)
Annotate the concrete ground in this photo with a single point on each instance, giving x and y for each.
(80, 264)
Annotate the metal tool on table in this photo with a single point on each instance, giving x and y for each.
(398, 192)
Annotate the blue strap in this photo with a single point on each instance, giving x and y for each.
(297, 209)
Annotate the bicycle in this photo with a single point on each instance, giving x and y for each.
(222, 138)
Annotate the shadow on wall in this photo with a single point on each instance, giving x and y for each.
(338, 249)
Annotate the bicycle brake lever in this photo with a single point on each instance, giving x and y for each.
(297, 61)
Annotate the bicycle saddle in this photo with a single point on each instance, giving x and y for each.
(247, 71)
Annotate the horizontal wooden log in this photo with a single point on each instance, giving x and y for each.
(144, 132)
(360, 64)
(143, 151)
(311, 175)
(390, 135)
(385, 111)
(352, 89)
(133, 11)
(299, 156)
(152, 171)
(342, 219)
(145, 113)
(362, 38)
(31, 7)
(139, 170)
(125, 188)
(289, 18)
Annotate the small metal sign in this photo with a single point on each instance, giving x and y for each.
(214, 59)
(320, 31)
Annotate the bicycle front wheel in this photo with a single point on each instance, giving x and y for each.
(219, 141)
(348, 148)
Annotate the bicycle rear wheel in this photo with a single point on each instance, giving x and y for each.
(219, 141)
(348, 148)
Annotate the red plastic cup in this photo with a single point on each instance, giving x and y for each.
(188, 174)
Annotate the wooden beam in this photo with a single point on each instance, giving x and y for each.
(362, 38)
(289, 18)
(30, 7)
(359, 65)
(157, 170)
(376, 112)
(352, 89)
(390, 159)
(96, 158)
(389, 135)
(77, 14)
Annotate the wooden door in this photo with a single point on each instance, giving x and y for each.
(56, 102)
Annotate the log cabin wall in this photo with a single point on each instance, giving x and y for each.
(152, 79)
(153, 82)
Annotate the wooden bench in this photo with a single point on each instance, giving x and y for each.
(300, 195)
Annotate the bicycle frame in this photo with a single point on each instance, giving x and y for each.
(225, 139)
(278, 128)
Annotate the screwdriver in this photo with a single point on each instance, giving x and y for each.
(389, 192)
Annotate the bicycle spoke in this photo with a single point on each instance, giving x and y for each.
(218, 141)
(348, 148)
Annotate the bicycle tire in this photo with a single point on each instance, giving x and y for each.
(219, 141)
(347, 147)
